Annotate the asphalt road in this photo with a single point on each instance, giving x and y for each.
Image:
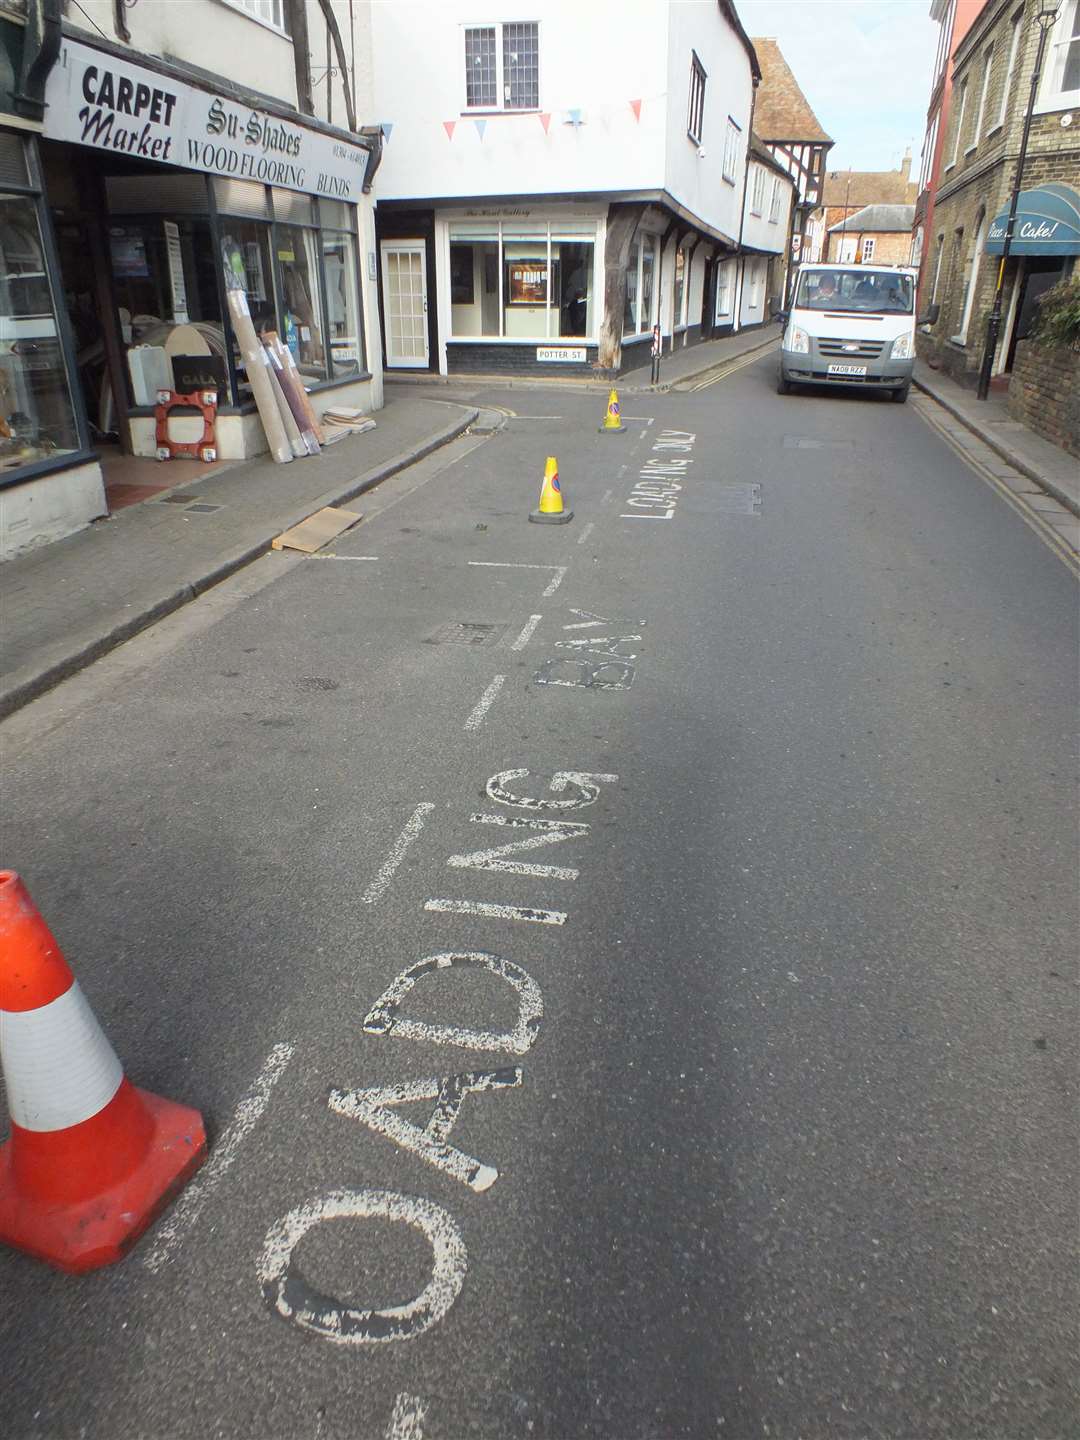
(741, 811)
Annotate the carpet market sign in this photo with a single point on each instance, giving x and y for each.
(93, 99)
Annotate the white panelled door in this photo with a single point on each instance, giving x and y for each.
(404, 266)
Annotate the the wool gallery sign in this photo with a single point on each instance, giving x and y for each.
(95, 99)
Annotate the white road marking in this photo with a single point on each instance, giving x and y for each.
(289, 1294)
(535, 417)
(497, 912)
(382, 1018)
(394, 859)
(527, 632)
(374, 1108)
(342, 557)
(643, 434)
(560, 572)
(730, 369)
(606, 496)
(484, 704)
(666, 516)
(407, 1419)
(589, 528)
(586, 781)
(644, 419)
(554, 832)
(586, 620)
(186, 1211)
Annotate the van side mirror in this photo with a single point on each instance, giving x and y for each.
(933, 313)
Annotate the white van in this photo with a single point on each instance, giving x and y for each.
(850, 325)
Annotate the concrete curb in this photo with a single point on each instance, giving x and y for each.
(21, 692)
(663, 388)
(1000, 447)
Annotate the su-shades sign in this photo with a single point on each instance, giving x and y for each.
(94, 99)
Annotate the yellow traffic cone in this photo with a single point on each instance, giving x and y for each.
(551, 511)
(612, 420)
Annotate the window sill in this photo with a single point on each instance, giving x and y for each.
(728, 179)
(482, 114)
(994, 128)
(960, 341)
(1064, 100)
(971, 149)
(694, 139)
(756, 214)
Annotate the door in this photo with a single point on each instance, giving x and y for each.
(404, 264)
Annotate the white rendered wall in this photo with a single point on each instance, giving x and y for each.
(694, 181)
(48, 508)
(759, 232)
(594, 58)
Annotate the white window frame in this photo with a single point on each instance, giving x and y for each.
(961, 336)
(1014, 46)
(642, 239)
(698, 77)
(730, 164)
(724, 289)
(247, 7)
(959, 123)
(1051, 95)
(757, 191)
(988, 66)
(868, 246)
(937, 267)
(500, 107)
(774, 201)
(944, 39)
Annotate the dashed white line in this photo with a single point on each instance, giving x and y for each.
(407, 1419)
(343, 557)
(497, 912)
(527, 632)
(589, 528)
(186, 1210)
(393, 860)
(604, 499)
(484, 704)
(560, 572)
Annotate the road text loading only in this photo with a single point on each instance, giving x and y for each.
(531, 823)
(659, 482)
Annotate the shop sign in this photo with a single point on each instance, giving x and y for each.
(1047, 222)
(112, 105)
(561, 354)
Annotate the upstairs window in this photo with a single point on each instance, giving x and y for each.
(695, 119)
(271, 12)
(732, 145)
(988, 65)
(502, 66)
(774, 203)
(960, 108)
(1061, 83)
(1014, 45)
(757, 194)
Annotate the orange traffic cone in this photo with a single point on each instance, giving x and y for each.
(551, 511)
(612, 418)
(91, 1160)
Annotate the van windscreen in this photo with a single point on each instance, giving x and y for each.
(866, 292)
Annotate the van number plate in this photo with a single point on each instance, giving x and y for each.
(847, 370)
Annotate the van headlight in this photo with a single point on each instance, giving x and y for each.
(901, 347)
(798, 341)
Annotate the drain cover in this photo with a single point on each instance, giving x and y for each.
(202, 509)
(317, 682)
(467, 632)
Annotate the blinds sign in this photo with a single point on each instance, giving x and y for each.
(109, 104)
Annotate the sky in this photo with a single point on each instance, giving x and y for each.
(864, 66)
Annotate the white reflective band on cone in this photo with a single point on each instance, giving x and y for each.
(59, 1067)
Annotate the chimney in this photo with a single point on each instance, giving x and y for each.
(905, 164)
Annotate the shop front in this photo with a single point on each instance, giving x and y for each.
(163, 194)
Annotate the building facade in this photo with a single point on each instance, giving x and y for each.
(874, 235)
(138, 185)
(954, 19)
(847, 192)
(547, 199)
(993, 67)
(752, 283)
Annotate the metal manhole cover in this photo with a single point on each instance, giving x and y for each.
(202, 509)
(467, 632)
(317, 682)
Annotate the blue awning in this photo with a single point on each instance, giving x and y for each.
(1047, 223)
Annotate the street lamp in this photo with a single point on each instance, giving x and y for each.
(1045, 16)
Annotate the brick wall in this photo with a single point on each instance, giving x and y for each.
(514, 360)
(1044, 393)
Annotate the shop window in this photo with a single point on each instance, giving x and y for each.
(640, 272)
(526, 282)
(302, 327)
(37, 414)
(342, 304)
(678, 318)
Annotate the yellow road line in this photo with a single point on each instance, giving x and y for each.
(1031, 517)
(739, 364)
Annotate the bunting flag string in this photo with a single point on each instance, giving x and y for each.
(607, 116)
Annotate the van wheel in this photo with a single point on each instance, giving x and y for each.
(901, 395)
(783, 387)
